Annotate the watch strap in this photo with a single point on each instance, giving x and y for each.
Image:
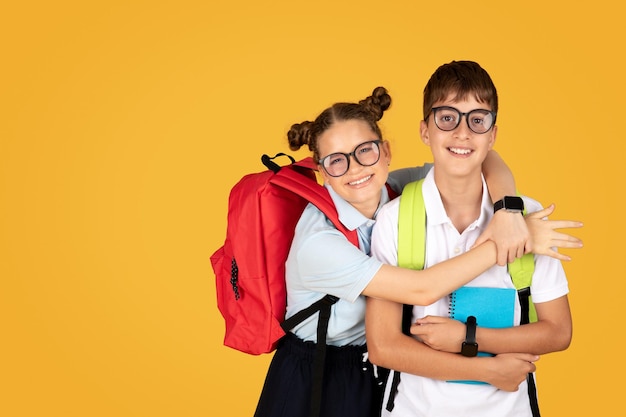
(469, 347)
(470, 330)
(509, 203)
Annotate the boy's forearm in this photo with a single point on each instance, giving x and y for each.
(411, 356)
(552, 333)
(390, 348)
(535, 338)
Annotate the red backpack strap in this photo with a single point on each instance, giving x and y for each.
(290, 178)
(299, 178)
(392, 193)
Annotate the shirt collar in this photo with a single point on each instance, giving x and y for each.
(350, 216)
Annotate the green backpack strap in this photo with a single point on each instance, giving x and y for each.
(411, 254)
(412, 227)
(521, 271)
(412, 247)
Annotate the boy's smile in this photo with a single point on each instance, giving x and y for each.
(459, 150)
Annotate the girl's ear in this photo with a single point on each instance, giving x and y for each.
(386, 151)
(323, 173)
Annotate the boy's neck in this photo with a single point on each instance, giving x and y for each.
(461, 197)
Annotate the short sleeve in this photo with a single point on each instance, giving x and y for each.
(328, 263)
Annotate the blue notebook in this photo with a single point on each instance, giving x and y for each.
(493, 308)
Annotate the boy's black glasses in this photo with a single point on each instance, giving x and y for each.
(448, 118)
(366, 154)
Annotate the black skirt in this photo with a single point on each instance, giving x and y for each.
(350, 386)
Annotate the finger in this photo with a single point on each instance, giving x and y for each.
(429, 320)
(542, 213)
(417, 330)
(503, 258)
(512, 256)
(528, 248)
(564, 224)
(565, 237)
(556, 255)
(528, 357)
(568, 243)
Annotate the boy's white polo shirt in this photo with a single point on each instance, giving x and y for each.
(419, 396)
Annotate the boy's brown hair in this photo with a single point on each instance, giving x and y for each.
(460, 78)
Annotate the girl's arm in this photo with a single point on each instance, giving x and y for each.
(498, 176)
(424, 287)
(508, 230)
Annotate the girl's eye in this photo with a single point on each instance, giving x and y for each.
(336, 159)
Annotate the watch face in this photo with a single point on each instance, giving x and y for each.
(469, 349)
(514, 203)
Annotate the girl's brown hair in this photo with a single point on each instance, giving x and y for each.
(370, 110)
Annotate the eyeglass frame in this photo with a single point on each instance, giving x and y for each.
(352, 154)
(433, 111)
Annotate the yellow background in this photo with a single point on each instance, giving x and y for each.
(124, 124)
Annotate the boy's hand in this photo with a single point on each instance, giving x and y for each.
(510, 233)
(439, 333)
(509, 370)
(544, 239)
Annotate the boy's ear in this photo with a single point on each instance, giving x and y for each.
(424, 133)
(494, 133)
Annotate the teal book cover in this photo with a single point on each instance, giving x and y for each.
(493, 308)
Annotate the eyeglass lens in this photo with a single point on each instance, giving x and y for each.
(366, 154)
(448, 118)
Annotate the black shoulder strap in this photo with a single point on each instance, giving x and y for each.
(407, 313)
(323, 306)
(524, 300)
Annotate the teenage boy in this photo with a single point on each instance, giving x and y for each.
(460, 107)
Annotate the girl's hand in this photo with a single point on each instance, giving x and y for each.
(439, 333)
(510, 233)
(544, 239)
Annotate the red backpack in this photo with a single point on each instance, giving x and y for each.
(263, 210)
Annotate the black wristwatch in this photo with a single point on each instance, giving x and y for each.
(512, 204)
(469, 347)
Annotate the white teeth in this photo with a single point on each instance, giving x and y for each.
(460, 151)
(361, 181)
